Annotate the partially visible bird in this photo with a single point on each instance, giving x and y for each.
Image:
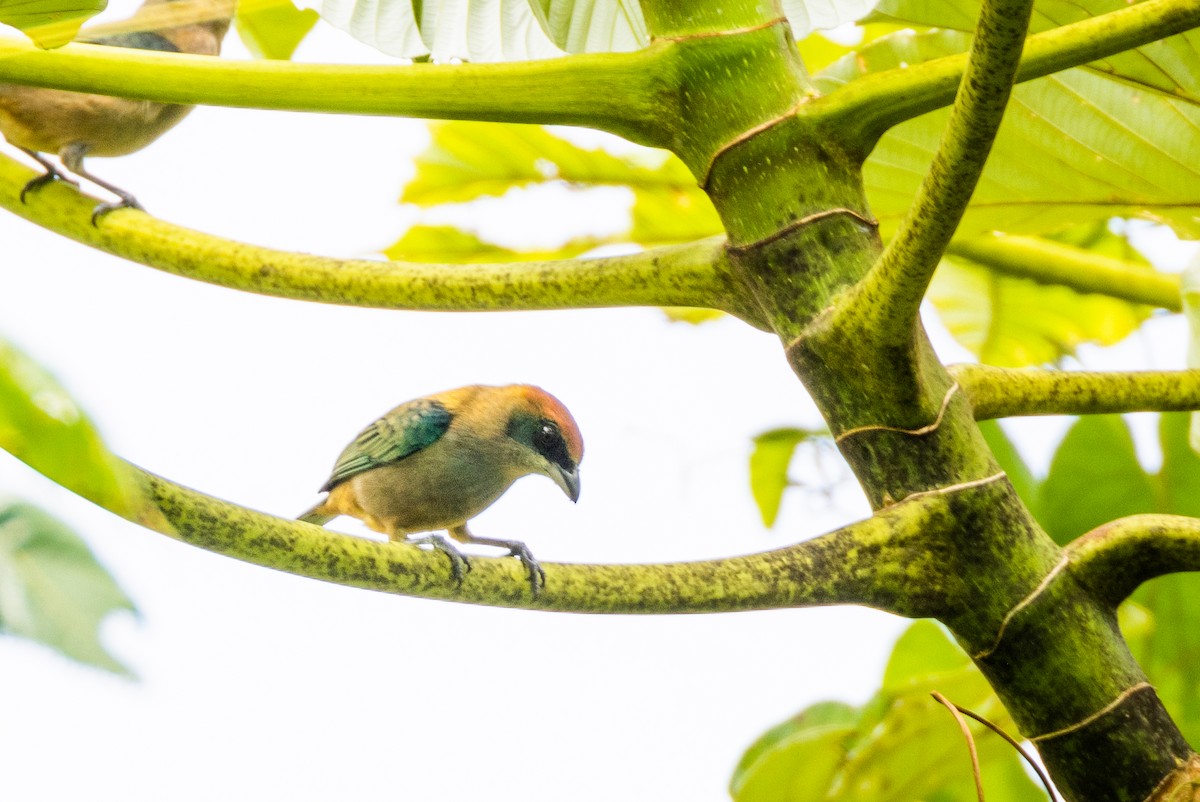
(436, 462)
(74, 124)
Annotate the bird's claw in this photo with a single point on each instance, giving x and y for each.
(537, 575)
(126, 202)
(48, 177)
(460, 565)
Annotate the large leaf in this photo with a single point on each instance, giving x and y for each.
(52, 590)
(1169, 65)
(42, 426)
(902, 745)
(473, 30)
(593, 26)
(49, 23)
(273, 28)
(1076, 146)
(423, 243)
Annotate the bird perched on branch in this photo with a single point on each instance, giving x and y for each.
(73, 125)
(436, 462)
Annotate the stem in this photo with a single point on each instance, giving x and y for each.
(626, 93)
(1114, 559)
(694, 274)
(889, 296)
(1008, 392)
(1053, 263)
(874, 103)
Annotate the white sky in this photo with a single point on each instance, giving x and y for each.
(257, 685)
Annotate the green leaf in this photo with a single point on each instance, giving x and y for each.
(806, 16)
(52, 590)
(693, 316)
(1019, 475)
(901, 746)
(49, 23)
(43, 427)
(1015, 322)
(469, 160)
(1094, 478)
(1190, 290)
(592, 26)
(423, 243)
(1077, 146)
(769, 463)
(272, 29)
(472, 30)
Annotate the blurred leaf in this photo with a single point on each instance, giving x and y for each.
(1077, 146)
(272, 29)
(42, 426)
(1016, 322)
(692, 315)
(1019, 475)
(902, 745)
(473, 30)
(469, 160)
(806, 16)
(52, 590)
(592, 26)
(1190, 289)
(49, 23)
(676, 211)
(449, 244)
(769, 463)
(1094, 478)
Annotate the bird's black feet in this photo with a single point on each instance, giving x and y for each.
(537, 576)
(51, 175)
(459, 564)
(127, 201)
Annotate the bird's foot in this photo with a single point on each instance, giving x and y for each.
(537, 575)
(126, 201)
(49, 177)
(459, 564)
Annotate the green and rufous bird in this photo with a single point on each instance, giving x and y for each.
(435, 463)
(74, 125)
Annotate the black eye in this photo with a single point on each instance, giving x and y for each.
(548, 441)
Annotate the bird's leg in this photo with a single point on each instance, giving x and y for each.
(459, 564)
(537, 576)
(72, 156)
(51, 175)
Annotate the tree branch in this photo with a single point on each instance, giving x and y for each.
(1006, 392)
(626, 93)
(887, 300)
(1114, 559)
(874, 103)
(1050, 262)
(870, 562)
(694, 274)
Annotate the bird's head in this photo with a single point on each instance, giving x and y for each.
(549, 435)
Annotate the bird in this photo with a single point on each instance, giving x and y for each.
(436, 462)
(73, 125)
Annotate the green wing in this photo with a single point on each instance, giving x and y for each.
(405, 430)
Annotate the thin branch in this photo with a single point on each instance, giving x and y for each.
(695, 274)
(626, 93)
(886, 301)
(869, 562)
(1033, 764)
(956, 711)
(1054, 263)
(1114, 559)
(874, 103)
(1007, 392)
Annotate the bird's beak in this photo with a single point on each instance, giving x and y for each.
(567, 480)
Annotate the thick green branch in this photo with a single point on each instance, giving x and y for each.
(626, 93)
(876, 102)
(683, 275)
(1114, 559)
(881, 562)
(1053, 263)
(886, 301)
(1006, 392)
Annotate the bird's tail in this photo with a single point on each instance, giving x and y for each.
(317, 515)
